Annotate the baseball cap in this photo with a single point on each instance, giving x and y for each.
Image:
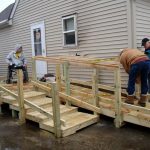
(144, 41)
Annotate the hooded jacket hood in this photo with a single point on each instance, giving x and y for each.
(18, 46)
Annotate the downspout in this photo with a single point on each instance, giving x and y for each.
(13, 10)
(131, 20)
(10, 22)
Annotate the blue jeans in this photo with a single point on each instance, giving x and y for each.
(149, 83)
(141, 68)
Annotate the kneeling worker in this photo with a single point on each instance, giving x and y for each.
(16, 58)
(136, 64)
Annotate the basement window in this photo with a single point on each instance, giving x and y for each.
(69, 27)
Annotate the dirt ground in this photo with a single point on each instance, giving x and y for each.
(100, 136)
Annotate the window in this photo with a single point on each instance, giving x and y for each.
(37, 41)
(69, 30)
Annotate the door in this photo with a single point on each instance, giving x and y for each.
(39, 47)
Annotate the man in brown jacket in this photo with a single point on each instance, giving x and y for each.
(136, 64)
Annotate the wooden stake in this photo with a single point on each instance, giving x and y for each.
(21, 96)
(14, 113)
(118, 119)
(34, 77)
(56, 111)
(137, 90)
(95, 88)
(0, 109)
(62, 73)
(67, 80)
(58, 77)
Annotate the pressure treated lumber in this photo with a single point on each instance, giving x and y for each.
(81, 62)
(8, 91)
(88, 83)
(118, 119)
(58, 77)
(64, 120)
(38, 117)
(41, 86)
(20, 97)
(56, 111)
(79, 103)
(95, 88)
(67, 80)
(74, 121)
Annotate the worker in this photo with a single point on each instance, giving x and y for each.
(146, 44)
(16, 58)
(137, 65)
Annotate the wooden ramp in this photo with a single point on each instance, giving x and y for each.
(74, 119)
(98, 98)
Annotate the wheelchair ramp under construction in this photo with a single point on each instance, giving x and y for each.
(59, 114)
(73, 119)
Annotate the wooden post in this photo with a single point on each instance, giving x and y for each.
(58, 77)
(67, 80)
(0, 109)
(137, 90)
(118, 118)
(62, 73)
(14, 113)
(95, 88)
(56, 110)
(21, 96)
(34, 69)
(0, 104)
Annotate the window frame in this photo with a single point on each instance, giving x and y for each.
(75, 31)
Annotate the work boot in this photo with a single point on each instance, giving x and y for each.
(130, 99)
(148, 97)
(8, 81)
(142, 101)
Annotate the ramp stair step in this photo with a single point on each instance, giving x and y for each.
(27, 95)
(38, 117)
(74, 122)
(39, 102)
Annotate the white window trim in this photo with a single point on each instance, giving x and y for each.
(75, 30)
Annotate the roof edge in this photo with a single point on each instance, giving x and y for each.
(9, 21)
(5, 23)
(14, 9)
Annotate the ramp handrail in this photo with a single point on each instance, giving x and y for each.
(9, 92)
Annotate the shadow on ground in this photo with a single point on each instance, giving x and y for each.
(101, 136)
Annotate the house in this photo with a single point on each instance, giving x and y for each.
(96, 28)
(6, 16)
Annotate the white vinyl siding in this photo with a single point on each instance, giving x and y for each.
(142, 20)
(102, 30)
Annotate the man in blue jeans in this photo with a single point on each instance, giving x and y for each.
(137, 65)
